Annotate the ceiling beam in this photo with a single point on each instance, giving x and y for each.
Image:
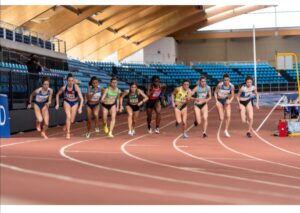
(240, 34)
(212, 11)
(230, 14)
(132, 48)
(112, 47)
(19, 15)
(162, 23)
(222, 16)
(103, 38)
(150, 21)
(64, 19)
(85, 30)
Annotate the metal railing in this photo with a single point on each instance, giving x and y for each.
(20, 34)
(18, 86)
(191, 63)
(279, 87)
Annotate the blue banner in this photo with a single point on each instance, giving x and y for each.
(4, 117)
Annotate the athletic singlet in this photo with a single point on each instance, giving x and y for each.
(96, 97)
(70, 95)
(202, 93)
(224, 92)
(247, 92)
(181, 95)
(133, 99)
(42, 97)
(156, 92)
(112, 95)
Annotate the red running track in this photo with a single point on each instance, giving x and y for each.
(154, 169)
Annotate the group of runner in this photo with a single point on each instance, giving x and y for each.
(112, 101)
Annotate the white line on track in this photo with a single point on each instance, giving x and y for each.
(123, 187)
(40, 139)
(250, 156)
(31, 158)
(274, 146)
(97, 152)
(231, 166)
(181, 194)
(195, 170)
(145, 175)
(128, 172)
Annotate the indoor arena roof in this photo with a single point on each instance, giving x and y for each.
(95, 32)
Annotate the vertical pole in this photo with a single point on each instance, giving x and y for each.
(297, 74)
(254, 57)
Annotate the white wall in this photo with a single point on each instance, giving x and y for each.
(137, 57)
(111, 58)
(162, 51)
(237, 49)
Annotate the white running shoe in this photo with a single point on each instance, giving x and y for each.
(184, 135)
(150, 131)
(130, 133)
(227, 133)
(156, 130)
(133, 132)
(88, 135)
(97, 130)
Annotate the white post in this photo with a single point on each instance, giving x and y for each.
(254, 57)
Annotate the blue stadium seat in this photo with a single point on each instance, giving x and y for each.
(18, 37)
(9, 34)
(26, 39)
(34, 40)
(1, 32)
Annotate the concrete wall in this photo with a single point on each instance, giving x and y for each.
(236, 49)
(137, 57)
(111, 58)
(162, 51)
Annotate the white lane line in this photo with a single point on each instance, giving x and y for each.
(269, 114)
(143, 145)
(231, 166)
(228, 165)
(58, 133)
(29, 141)
(31, 158)
(250, 156)
(128, 172)
(217, 174)
(181, 194)
(96, 152)
(274, 146)
(123, 187)
(234, 159)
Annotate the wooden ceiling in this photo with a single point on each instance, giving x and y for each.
(95, 32)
